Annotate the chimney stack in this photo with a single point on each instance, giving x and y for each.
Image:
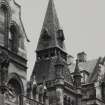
(70, 59)
(82, 57)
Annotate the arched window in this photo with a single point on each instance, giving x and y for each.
(4, 18)
(14, 38)
(13, 95)
(60, 35)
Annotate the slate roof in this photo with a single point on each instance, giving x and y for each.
(92, 67)
(51, 25)
(94, 76)
(88, 66)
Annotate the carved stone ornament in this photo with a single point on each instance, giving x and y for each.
(4, 59)
(4, 63)
(11, 95)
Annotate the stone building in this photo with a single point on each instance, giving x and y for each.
(13, 61)
(57, 79)
(67, 82)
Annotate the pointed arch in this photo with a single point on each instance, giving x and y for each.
(17, 77)
(15, 88)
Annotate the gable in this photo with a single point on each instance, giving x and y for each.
(87, 66)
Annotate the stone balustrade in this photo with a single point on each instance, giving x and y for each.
(28, 101)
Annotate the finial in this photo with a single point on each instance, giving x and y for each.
(77, 61)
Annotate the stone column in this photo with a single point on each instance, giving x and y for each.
(59, 95)
(37, 97)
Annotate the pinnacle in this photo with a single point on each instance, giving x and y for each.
(77, 70)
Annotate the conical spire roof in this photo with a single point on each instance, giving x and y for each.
(51, 19)
(77, 70)
(51, 26)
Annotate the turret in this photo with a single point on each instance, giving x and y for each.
(50, 45)
(77, 76)
(77, 83)
(51, 57)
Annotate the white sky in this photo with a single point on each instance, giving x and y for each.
(83, 22)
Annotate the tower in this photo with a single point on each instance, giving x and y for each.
(51, 61)
(50, 45)
(77, 83)
(77, 76)
(12, 37)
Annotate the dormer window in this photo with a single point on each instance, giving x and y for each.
(60, 38)
(60, 35)
(45, 38)
(45, 35)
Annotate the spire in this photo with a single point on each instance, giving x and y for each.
(77, 71)
(51, 33)
(77, 76)
(51, 18)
